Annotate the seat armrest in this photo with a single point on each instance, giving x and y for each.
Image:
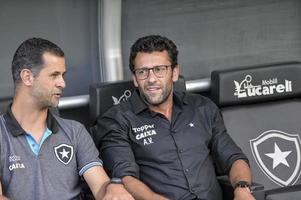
(257, 189)
(291, 192)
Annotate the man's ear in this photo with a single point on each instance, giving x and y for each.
(134, 80)
(26, 77)
(175, 73)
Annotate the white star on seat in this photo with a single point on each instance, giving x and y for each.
(278, 156)
(64, 153)
(191, 124)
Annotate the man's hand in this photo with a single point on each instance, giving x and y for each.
(3, 198)
(117, 192)
(243, 194)
(1, 193)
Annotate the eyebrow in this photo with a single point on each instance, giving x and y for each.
(147, 67)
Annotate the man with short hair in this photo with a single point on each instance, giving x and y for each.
(166, 144)
(42, 155)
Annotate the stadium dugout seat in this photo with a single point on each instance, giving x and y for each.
(104, 95)
(261, 109)
(3, 105)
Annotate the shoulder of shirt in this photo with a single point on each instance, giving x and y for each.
(68, 123)
(122, 107)
(198, 99)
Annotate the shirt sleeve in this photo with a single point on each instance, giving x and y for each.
(224, 150)
(86, 152)
(114, 145)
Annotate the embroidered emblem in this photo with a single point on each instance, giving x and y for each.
(191, 124)
(64, 153)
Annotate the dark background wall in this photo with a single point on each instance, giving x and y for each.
(217, 34)
(72, 24)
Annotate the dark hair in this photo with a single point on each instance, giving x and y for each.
(29, 55)
(151, 43)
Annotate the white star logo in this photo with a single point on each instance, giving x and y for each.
(191, 124)
(64, 153)
(278, 156)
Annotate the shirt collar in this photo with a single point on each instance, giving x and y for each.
(139, 105)
(137, 102)
(16, 130)
(180, 99)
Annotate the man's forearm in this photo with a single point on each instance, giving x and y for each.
(240, 171)
(139, 190)
(1, 193)
(3, 197)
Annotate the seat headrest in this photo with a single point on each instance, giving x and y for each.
(104, 95)
(256, 84)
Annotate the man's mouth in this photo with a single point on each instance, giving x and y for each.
(58, 95)
(153, 88)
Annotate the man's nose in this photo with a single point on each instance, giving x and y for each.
(151, 76)
(61, 83)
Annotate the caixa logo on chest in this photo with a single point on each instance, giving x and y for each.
(15, 163)
(245, 88)
(278, 155)
(145, 133)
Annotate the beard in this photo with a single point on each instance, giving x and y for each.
(48, 102)
(44, 98)
(157, 99)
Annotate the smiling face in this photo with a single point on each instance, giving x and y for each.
(155, 90)
(48, 85)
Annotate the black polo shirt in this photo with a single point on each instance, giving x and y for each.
(178, 159)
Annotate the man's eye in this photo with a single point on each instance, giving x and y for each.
(160, 69)
(157, 69)
(54, 75)
(142, 71)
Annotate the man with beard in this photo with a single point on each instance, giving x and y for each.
(165, 144)
(42, 155)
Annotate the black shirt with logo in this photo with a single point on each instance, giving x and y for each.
(179, 158)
